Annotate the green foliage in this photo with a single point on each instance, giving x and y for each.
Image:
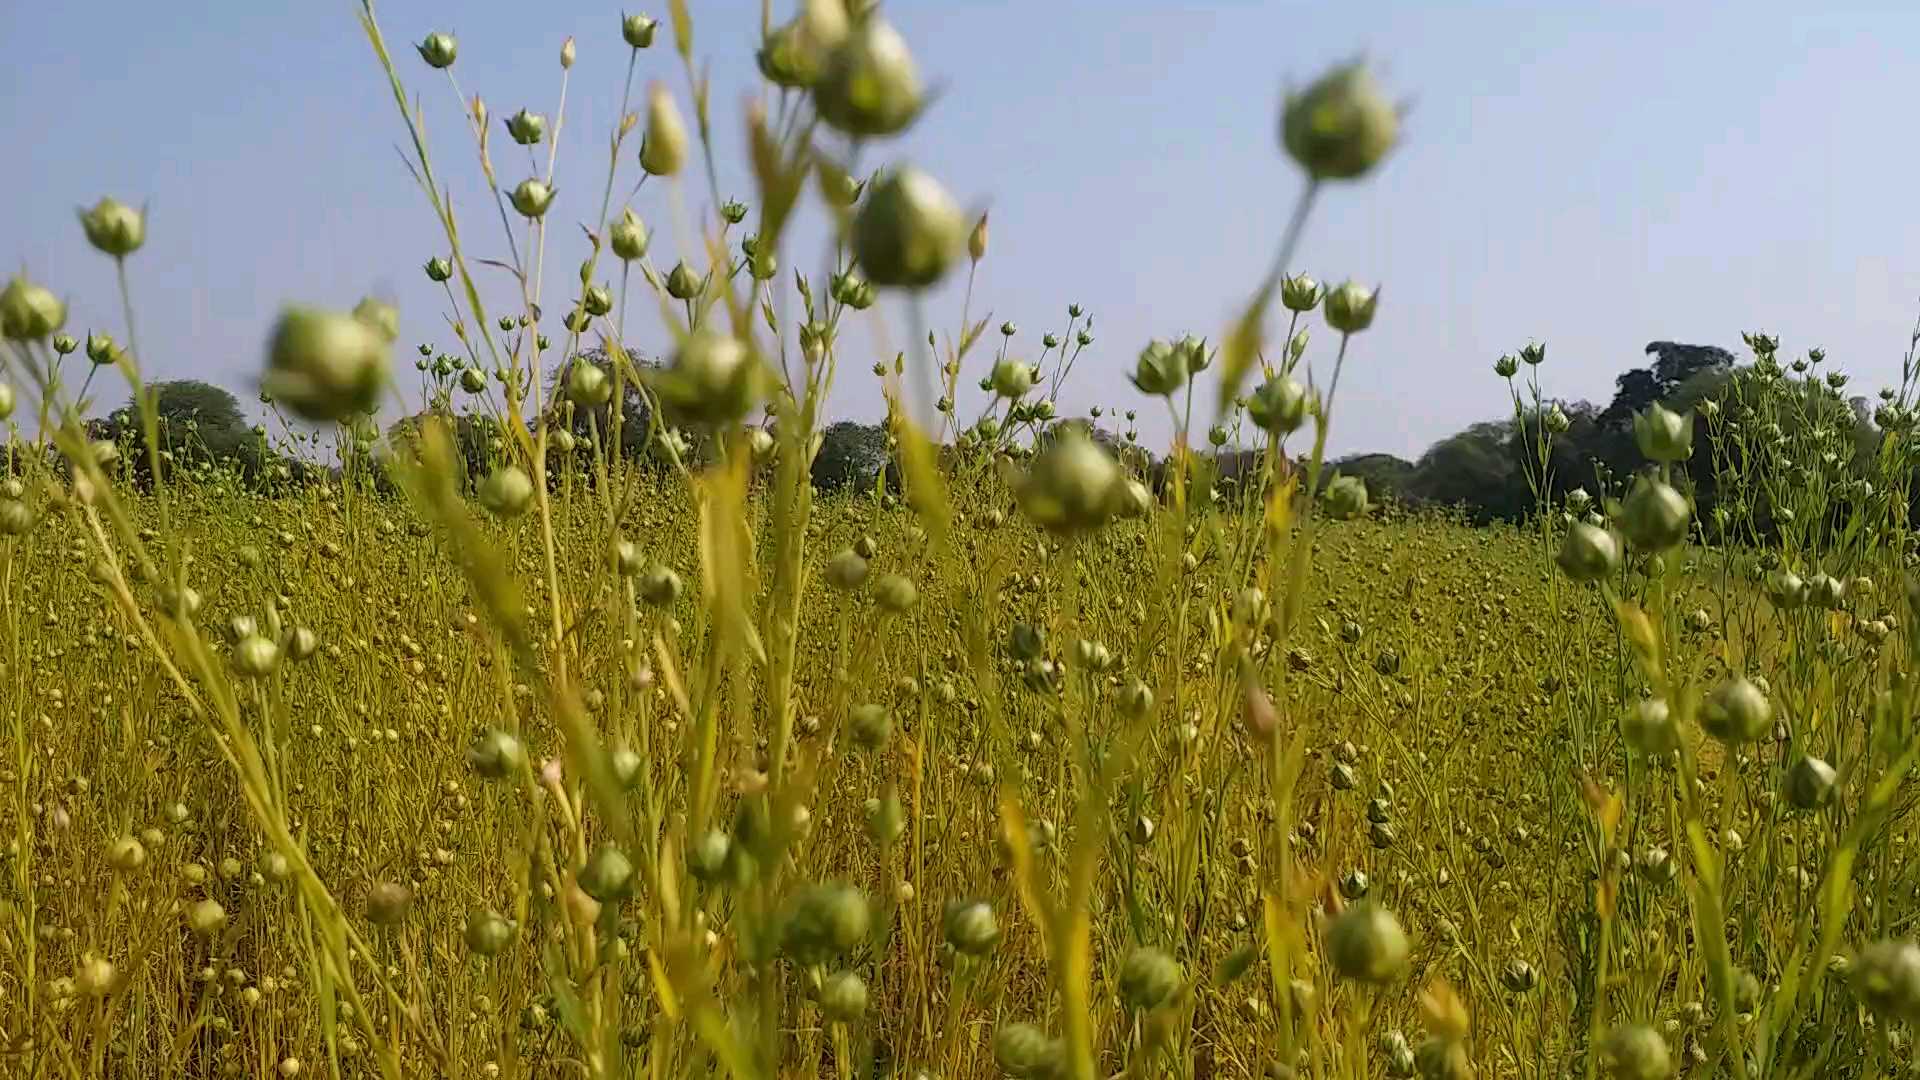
(197, 425)
(851, 456)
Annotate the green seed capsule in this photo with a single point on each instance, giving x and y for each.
(206, 918)
(1160, 369)
(659, 586)
(1365, 943)
(1809, 783)
(507, 492)
(126, 854)
(1300, 293)
(1885, 976)
(1073, 486)
(1648, 727)
(1345, 498)
(1737, 711)
(843, 997)
(1349, 307)
(970, 927)
(638, 30)
(531, 198)
(526, 128)
(870, 86)
(588, 385)
(1635, 1052)
(1024, 1052)
(627, 767)
(663, 150)
(846, 571)
(824, 921)
(325, 367)
(895, 594)
(1519, 977)
(1588, 553)
(870, 725)
(1663, 435)
(908, 231)
(607, 875)
(496, 755)
(256, 657)
(707, 856)
(628, 237)
(1654, 516)
(712, 381)
(29, 312)
(439, 50)
(1149, 978)
(487, 933)
(1012, 378)
(1340, 126)
(1279, 406)
(16, 518)
(114, 228)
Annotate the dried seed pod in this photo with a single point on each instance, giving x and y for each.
(206, 917)
(388, 903)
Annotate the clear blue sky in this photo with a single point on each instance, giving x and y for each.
(1595, 176)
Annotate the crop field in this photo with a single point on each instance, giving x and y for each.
(578, 724)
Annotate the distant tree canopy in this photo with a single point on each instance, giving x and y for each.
(635, 413)
(851, 455)
(1674, 364)
(1486, 470)
(1386, 476)
(474, 436)
(196, 423)
(1482, 469)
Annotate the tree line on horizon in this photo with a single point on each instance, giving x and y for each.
(1477, 471)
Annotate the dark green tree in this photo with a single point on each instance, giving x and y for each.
(851, 454)
(196, 423)
(636, 412)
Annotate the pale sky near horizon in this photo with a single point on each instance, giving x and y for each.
(1594, 176)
